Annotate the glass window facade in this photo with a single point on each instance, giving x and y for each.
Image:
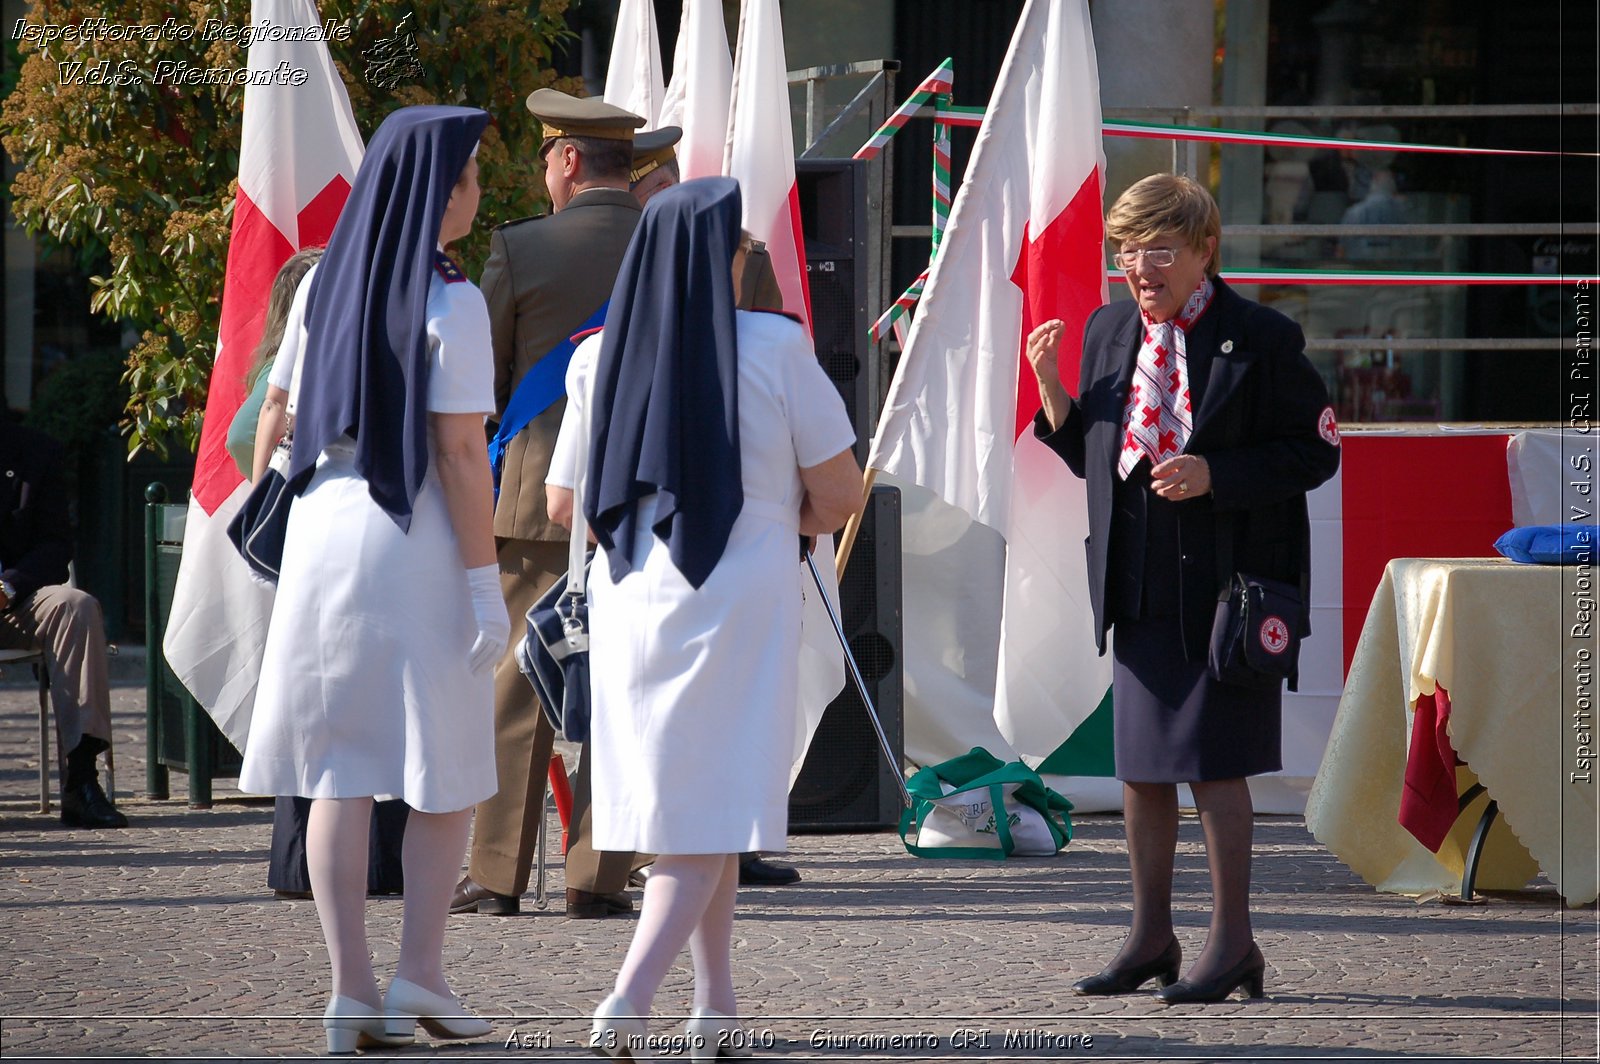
(1452, 74)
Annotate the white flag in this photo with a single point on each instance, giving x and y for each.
(633, 77)
(701, 86)
(298, 154)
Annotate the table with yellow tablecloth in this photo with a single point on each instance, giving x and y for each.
(1501, 639)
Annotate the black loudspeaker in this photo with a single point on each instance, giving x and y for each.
(845, 784)
(833, 221)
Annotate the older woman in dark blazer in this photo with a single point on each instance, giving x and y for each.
(1199, 424)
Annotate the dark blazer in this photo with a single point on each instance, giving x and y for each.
(1262, 422)
(544, 278)
(35, 529)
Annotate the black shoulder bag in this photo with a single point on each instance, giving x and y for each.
(1255, 638)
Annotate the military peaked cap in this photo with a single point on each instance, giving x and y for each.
(570, 116)
(652, 149)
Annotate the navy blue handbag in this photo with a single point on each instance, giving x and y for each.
(554, 655)
(260, 527)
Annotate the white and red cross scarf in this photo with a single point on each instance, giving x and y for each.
(1158, 419)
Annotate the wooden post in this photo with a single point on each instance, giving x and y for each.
(847, 538)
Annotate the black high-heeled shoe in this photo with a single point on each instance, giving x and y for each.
(1249, 973)
(1113, 980)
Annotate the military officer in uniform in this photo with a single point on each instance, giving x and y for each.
(546, 278)
(655, 162)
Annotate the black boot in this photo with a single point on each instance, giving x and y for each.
(84, 803)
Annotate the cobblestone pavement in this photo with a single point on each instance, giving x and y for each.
(162, 941)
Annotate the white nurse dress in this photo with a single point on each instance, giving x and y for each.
(366, 688)
(694, 689)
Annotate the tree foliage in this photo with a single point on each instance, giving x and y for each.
(124, 169)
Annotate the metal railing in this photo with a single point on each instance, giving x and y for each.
(1245, 239)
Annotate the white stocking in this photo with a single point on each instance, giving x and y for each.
(676, 896)
(336, 858)
(432, 857)
(711, 945)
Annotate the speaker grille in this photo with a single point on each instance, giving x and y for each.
(833, 215)
(833, 326)
(845, 784)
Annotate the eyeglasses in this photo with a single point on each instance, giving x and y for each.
(1160, 258)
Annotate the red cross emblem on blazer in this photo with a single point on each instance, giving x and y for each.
(1328, 426)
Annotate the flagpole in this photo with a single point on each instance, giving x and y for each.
(847, 538)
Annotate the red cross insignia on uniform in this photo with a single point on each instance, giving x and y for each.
(1328, 427)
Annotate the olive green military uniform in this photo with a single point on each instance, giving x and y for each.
(544, 278)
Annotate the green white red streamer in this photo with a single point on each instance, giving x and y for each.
(1387, 277)
(937, 82)
(941, 177)
(1162, 131)
(898, 309)
(936, 88)
(973, 117)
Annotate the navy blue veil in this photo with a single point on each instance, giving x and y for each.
(666, 392)
(365, 371)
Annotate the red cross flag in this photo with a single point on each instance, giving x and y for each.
(298, 155)
(989, 510)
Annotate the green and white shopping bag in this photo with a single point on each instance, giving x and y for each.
(979, 807)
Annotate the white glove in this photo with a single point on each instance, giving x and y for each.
(489, 612)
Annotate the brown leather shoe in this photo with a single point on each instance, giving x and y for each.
(582, 905)
(472, 897)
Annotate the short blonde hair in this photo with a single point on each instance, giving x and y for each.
(1167, 203)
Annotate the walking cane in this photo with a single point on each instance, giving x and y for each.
(861, 686)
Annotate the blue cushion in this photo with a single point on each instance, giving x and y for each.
(1550, 544)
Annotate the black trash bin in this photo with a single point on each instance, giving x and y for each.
(180, 734)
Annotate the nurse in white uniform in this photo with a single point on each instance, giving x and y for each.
(376, 680)
(715, 441)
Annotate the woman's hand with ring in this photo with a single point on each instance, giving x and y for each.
(1185, 476)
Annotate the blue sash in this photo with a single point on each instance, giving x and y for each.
(540, 387)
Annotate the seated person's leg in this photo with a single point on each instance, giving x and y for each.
(68, 627)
